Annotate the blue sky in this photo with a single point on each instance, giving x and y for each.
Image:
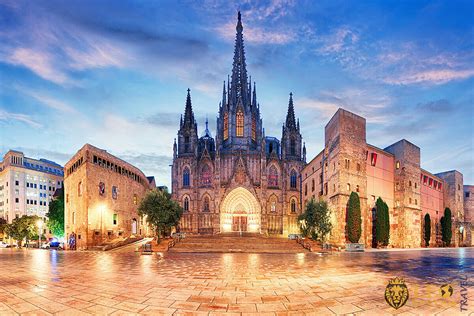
(115, 73)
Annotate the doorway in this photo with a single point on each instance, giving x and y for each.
(239, 223)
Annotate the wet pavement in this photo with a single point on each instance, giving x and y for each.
(41, 282)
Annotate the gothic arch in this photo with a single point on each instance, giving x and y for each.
(206, 203)
(272, 204)
(186, 203)
(273, 176)
(240, 202)
(206, 174)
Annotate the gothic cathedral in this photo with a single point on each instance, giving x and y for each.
(241, 180)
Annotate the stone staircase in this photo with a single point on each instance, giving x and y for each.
(234, 244)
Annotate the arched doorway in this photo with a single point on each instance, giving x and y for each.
(240, 212)
(134, 226)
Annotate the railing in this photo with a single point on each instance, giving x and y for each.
(176, 239)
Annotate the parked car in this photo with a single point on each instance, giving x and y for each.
(4, 245)
(53, 245)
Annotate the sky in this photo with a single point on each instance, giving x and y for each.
(115, 73)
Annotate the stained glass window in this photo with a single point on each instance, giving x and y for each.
(293, 205)
(186, 204)
(206, 175)
(273, 177)
(186, 177)
(206, 204)
(293, 179)
(240, 123)
(226, 126)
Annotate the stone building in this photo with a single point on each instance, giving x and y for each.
(349, 164)
(27, 185)
(241, 180)
(102, 194)
(469, 213)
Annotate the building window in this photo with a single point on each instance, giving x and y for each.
(305, 189)
(17, 182)
(273, 177)
(74, 217)
(373, 159)
(226, 126)
(293, 179)
(459, 187)
(409, 183)
(186, 204)
(416, 202)
(115, 219)
(398, 164)
(135, 199)
(409, 200)
(206, 204)
(240, 123)
(292, 147)
(358, 166)
(186, 176)
(312, 185)
(349, 187)
(347, 163)
(416, 185)
(326, 188)
(254, 129)
(114, 192)
(293, 205)
(333, 188)
(206, 175)
(468, 194)
(357, 188)
(17, 200)
(79, 189)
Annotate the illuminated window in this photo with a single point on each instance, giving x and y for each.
(293, 179)
(206, 204)
(348, 187)
(186, 204)
(115, 219)
(240, 123)
(135, 199)
(398, 165)
(273, 177)
(254, 129)
(226, 126)
(293, 205)
(373, 159)
(347, 163)
(186, 177)
(206, 177)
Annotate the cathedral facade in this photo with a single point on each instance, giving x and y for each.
(241, 180)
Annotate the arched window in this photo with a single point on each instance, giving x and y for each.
(240, 123)
(272, 204)
(206, 175)
(186, 204)
(312, 185)
(293, 205)
(186, 176)
(79, 189)
(254, 129)
(273, 177)
(226, 126)
(293, 179)
(205, 207)
(292, 147)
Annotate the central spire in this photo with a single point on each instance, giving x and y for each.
(290, 116)
(239, 85)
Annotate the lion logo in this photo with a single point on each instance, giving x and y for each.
(396, 293)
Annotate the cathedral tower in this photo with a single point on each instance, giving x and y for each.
(187, 134)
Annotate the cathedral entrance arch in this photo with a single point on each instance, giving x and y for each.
(240, 212)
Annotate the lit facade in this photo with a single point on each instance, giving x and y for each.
(349, 164)
(102, 194)
(27, 185)
(241, 180)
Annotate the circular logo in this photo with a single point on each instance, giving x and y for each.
(446, 290)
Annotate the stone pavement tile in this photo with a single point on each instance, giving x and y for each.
(374, 311)
(325, 303)
(71, 312)
(178, 296)
(320, 311)
(26, 295)
(245, 308)
(200, 299)
(159, 302)
(99, 310)
(259, 314)
(344, 309)
(185, 305)
(298, 306)
(36, 312)
(213, 307)
(190, 313)
(79, 304)
(224, 300)
(223, 314)
(274, 298)
(249, 299)
(105, 301)
(154, 310)
(271, 307)
(24, 307)
(124, 313)
(130, 307)
(86, 297)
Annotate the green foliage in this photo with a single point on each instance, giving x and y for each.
(316, 220)
(446, 227)
(382, 223)
(427, 233)
(160, 210)
(3, 225)
(24, 227)
(56, 216)
(354, 219)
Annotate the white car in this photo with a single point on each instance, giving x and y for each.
(4, 245)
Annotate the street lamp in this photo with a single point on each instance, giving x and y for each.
(39, 223)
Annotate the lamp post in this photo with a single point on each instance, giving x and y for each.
(39, 223)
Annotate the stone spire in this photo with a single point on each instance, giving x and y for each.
(188, 112)
(254, 97)
(224, 96)
(239, 86)
(290, 116)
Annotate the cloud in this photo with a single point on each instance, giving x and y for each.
(342, 39)
(6, 117)
(51, 102)
(434, 77)
(255, 35)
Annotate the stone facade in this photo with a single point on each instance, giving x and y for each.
(241, 180)
(27, 185)
(348, 164)
(102, 193)
(469, 213)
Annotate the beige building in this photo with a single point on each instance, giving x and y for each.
(469, 212)
(102, 195)
(349, 164)
(27, 185)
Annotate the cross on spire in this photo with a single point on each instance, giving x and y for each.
(290, 116)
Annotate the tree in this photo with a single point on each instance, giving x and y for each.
(427, 233)
(3, 225)
(446, 227)
(24, 227)
(354, 220)
(316, 220)
(56, 216)
(382, 223)
(160, 210)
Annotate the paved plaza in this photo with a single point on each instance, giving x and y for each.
(40, 282)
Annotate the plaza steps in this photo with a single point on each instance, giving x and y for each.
(237, 244)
